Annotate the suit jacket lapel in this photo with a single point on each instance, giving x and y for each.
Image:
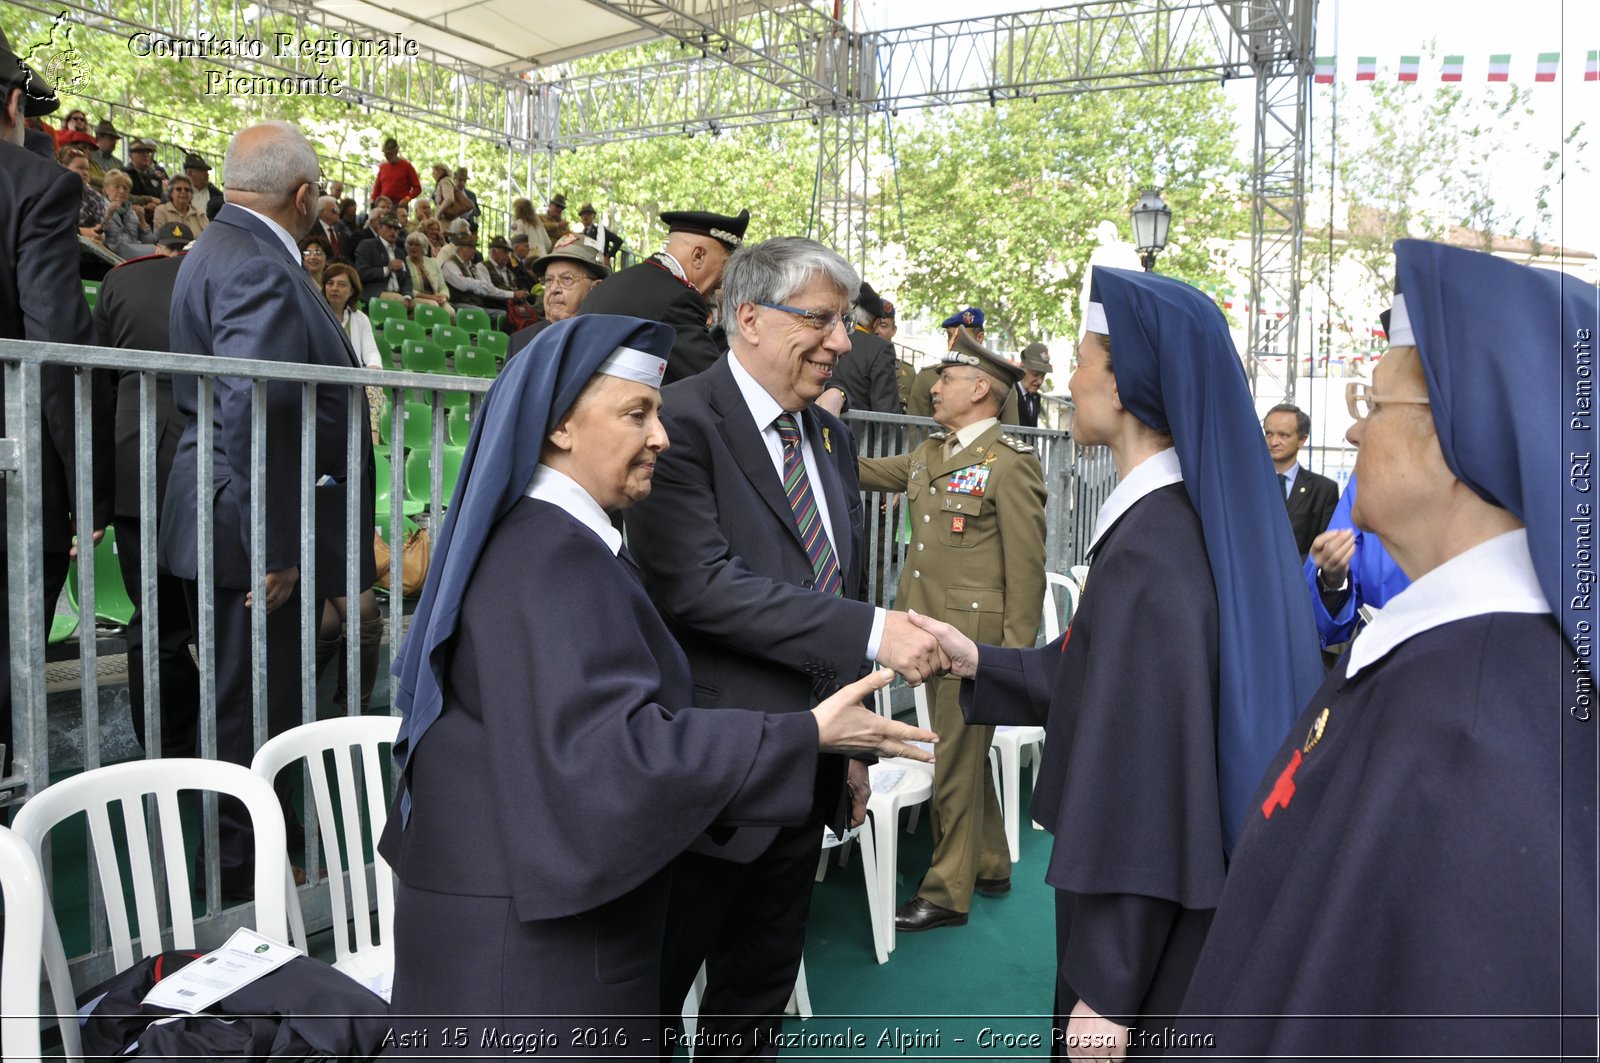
(749, 449)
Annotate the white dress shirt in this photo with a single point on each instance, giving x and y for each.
(765, 410)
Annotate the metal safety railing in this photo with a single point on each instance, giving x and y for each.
(1077, 481)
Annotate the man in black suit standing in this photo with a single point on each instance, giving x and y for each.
(675, 285)
(867, 375)
(41, 299)
(1309, 498)
(751, 543)
(242, 293)
(132, 313)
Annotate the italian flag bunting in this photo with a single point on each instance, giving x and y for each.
(1408, 67)
(1591, 69)
(1500, 67)
(1366, 68)
(1324, 70)
(1451, 70)
(1548, 61)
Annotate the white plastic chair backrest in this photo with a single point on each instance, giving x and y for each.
(22, 887)
(919, 697)
(1080, 573)
(1055, 582)
(341, 828)
(93, 793)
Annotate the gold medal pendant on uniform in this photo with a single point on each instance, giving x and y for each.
(1314, 736)
(827, 440)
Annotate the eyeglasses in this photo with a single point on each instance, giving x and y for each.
(821, 320)
(1362, 401)
(561, 281)
(313, 252)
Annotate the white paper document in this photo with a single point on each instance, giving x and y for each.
(245, 957)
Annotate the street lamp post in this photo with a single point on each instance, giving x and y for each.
(1151, 220)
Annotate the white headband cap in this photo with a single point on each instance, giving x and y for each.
(630, 364)
(1400, 324)
(1095, 321)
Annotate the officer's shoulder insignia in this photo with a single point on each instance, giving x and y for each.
(1016, 444)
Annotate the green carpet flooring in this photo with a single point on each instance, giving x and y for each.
(941, 989)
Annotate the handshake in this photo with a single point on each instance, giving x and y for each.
(921, 648)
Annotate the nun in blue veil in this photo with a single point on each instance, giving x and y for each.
(550, 768)
(1192, 651)
(1416, 875)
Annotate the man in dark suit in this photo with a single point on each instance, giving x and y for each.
(867, 374)
(327, 227)
(41, 299)
(1035, 367)
(762, 585)
(381, 262)
(675, 285)
(242, 293)
(1309, 498)
(132, 313)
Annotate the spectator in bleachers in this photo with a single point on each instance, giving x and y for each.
(207, 196)
(341, 286)
(525, 222)
(427, 276)
(92, 210)
(105, 156)
(383, 272)
(336, 189)
(397, 178)
(568, 276)
(422, 210)
(433, 231)
(181, 208)
(326, 227)
(314, 256)
(605, 241)
(555, 226)
(369, 225)
(498, 264)
(522, 260)
(126, 234)
(348, 223)
(402, 221)
(472, 214)
(448, 202)
(469, 282)
(148, 179)
(75, 130)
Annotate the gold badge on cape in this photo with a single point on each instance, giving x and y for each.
(1314, 736)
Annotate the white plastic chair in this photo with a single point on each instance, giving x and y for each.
(1005, 756)
(1080, 573)
(22, 887)
(879, 837)
(93, 793)
(358, 954)
(1054, 583)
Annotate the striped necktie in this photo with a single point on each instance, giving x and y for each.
(797, 485)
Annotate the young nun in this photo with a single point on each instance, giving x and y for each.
(1191, 651)
(1417, 872)
(550, 767)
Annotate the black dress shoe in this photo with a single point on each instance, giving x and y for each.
(918, 914)
(993, 887)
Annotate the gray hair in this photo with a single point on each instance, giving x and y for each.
(276, 161)
(863, 317)
(327, 201)
(773, 270)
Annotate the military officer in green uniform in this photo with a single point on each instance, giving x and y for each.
(919, 402)
(976, 501)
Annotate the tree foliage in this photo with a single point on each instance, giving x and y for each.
(1007, 198)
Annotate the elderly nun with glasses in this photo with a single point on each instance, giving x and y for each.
(1192, 649)
(1417, 869)
(550, 766)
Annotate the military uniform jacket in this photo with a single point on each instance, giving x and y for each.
(649, 291)
(977, 534)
